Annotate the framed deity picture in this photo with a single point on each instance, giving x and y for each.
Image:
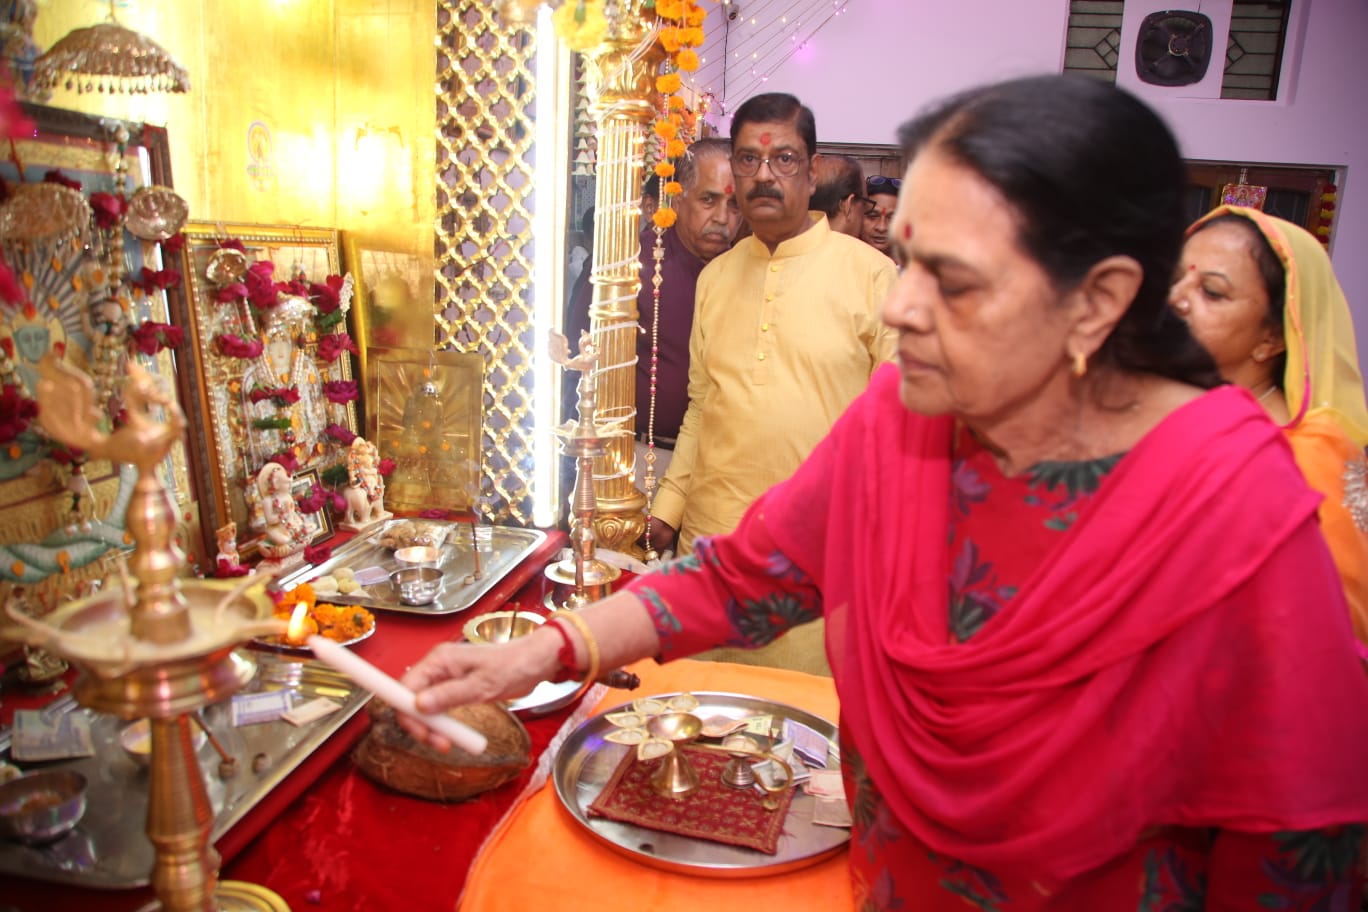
(392, 307)
(265, 307)
(83, 268)
(319, 522)
(428, 420)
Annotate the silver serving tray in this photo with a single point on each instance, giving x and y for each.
(460, 590)
(586, 762)
(109, 848)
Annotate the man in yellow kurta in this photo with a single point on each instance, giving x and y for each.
(786, 333)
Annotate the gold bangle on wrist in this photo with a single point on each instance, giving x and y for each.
(591, 648)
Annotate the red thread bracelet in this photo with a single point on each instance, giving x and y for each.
(566, 654)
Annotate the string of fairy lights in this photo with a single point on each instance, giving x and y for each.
(748, 41)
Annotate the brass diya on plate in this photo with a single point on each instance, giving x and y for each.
(676, 776)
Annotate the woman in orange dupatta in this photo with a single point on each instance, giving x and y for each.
(1090, 647)
(1259, 292)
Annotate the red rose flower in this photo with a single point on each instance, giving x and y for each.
(340, 434)
(332, 345)
(317, 554)
(262, 291)
(229, 293)
(230, 243)
(286, 461)
(227, 570)
(326, 296)
(11, 290)
(109, 209)
(237, 347)
(314, 502)
(13, 122)
(149, 279)
(150, 338)
(340, 391)
(16, 412)
(55, 176)
(385, 467)
(174, 244)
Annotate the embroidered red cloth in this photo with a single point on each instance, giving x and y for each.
(713, 811)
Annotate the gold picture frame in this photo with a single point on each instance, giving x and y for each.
(235, 438)
(428, 420)
(388, 309)
(40, 548)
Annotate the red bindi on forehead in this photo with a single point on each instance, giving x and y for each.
(764, 139)
(729, 190)
(907, 231)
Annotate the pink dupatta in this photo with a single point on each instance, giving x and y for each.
(1183, 658)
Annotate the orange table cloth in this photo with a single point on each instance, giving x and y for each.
(540, 857)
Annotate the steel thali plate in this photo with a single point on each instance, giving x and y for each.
(467, 576)
(586, 761)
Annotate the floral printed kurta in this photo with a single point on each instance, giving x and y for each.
(1001, 530)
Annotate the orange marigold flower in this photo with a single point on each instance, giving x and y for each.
(686, 60)
(675, 148)
(672, 188)
(669, 38)
(664, 169)
(663, 217)
(695, 14)
(668, 83)
(301, 593)
(670, 9)
(692, 37)
(676, 103)
(666, 130)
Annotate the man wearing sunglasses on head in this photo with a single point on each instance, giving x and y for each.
(786, 333)
(883, 194)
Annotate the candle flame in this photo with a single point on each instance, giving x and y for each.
(298, 629)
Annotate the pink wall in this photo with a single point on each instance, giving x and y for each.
(873, 67)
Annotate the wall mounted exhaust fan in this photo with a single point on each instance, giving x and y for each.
(1173, 48)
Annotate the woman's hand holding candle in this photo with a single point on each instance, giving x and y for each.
(452, 731)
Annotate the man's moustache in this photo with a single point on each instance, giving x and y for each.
(766, 193)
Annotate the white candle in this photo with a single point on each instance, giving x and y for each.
(394, 693)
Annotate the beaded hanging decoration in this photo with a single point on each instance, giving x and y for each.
(681, 32)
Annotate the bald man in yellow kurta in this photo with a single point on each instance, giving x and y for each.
(781, 344)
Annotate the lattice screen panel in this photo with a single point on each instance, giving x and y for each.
(486, 94)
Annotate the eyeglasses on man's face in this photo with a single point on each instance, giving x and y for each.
(880, 184)
(783, 164)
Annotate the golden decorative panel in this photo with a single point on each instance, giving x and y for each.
(486, 94)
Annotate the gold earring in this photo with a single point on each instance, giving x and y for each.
(1080, 364)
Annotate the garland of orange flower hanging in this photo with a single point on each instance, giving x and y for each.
(681, 32)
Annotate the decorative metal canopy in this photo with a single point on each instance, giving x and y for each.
(109, 58)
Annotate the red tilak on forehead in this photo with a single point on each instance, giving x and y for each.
(764, 139)
(907, 231)
(729, 189)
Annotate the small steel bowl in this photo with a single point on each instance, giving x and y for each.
(417, 556)
(501, 626)
(42, 807)
(417, 585)
(136, 740)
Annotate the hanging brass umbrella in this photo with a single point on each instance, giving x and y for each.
(109, 58)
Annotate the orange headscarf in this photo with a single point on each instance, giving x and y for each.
(1322, 374)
